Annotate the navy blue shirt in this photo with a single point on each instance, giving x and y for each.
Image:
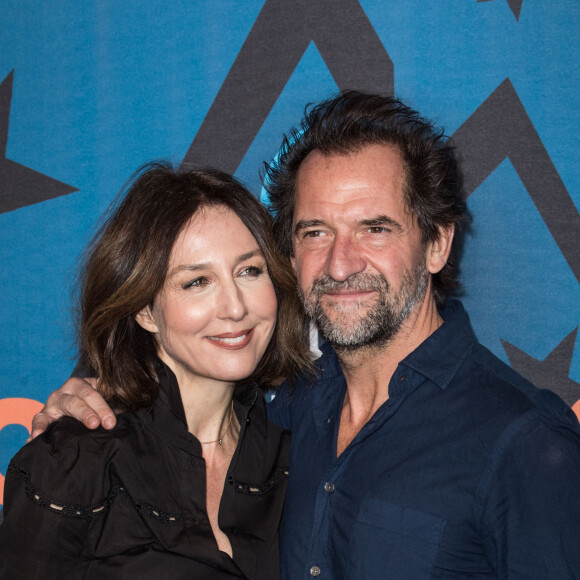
(467, 471)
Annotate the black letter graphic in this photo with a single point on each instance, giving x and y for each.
(500, 128)
(281, 34)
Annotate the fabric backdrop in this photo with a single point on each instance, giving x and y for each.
(89, 91)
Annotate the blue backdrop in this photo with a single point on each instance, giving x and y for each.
(91, 90)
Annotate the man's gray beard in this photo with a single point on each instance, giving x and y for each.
(379, 323)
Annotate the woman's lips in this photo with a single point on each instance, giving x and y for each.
(232, 340)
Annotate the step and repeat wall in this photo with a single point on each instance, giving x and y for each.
(89, 91)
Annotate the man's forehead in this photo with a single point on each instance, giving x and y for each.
(363, 183)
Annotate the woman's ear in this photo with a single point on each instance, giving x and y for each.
(145, 319)
(438, 250)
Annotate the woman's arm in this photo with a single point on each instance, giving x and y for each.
(43, 534)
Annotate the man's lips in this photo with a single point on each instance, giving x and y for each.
(232, 340)
(348, 294)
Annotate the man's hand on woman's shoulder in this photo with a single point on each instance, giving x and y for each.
(77, 398)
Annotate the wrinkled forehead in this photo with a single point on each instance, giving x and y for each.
(371, 176)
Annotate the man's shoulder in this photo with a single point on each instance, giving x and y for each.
(485, 374)
(500, 392)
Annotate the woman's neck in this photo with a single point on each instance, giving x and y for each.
(207, 403)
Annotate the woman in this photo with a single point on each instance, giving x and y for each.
(185, 304)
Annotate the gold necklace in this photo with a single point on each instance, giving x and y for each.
(220, 440)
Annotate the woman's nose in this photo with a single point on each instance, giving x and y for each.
(232, 302)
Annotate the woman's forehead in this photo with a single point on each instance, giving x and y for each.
(213, 233)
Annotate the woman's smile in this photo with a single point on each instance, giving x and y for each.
(233, 340)
(216, 312)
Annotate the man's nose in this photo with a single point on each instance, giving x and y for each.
(344, 258)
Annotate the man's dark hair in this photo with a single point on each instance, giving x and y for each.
(347, 123)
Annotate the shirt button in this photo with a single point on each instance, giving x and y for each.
(329, 486)
(315, 571)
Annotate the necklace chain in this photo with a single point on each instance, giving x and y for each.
(221, 439)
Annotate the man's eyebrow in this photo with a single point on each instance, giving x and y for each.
(379, 220)
(206, 265)
(303, 224)
(382, 220)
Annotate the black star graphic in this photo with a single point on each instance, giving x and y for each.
(19, 185)
(552, 372)
(515, 6)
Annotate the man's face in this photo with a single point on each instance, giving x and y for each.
(361, 265)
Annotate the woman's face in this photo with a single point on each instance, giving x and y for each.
(216, 312)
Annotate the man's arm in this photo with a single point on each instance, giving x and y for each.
(77, 398)
(531, 515)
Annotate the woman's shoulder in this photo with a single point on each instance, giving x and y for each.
(61, 486)
(70, 437)
(69, 460)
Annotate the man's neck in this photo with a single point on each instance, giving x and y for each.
(368, 370)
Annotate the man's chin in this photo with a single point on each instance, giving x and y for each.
(351, 331)
(344, 336)
(346, 344)
(345, 326)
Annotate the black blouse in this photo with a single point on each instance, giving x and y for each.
(131, 502)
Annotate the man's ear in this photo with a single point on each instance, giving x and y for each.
(438, 250)
(145, 319)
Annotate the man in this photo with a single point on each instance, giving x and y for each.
(417, 454)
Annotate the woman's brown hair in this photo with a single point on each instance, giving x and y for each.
(126, 265)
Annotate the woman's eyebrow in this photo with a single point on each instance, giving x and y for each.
(207, 265)
(188, 268)
(249, 255)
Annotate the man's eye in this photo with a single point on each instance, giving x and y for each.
(313, 234)
(196, 283)
(377, 230)
(252, 271)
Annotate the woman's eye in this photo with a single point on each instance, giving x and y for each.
(196, 283)
(252, 271)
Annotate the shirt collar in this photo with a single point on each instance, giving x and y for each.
(327, 402)
(439, 357)
(247, 404)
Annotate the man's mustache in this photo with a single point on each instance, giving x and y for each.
(358, 282)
